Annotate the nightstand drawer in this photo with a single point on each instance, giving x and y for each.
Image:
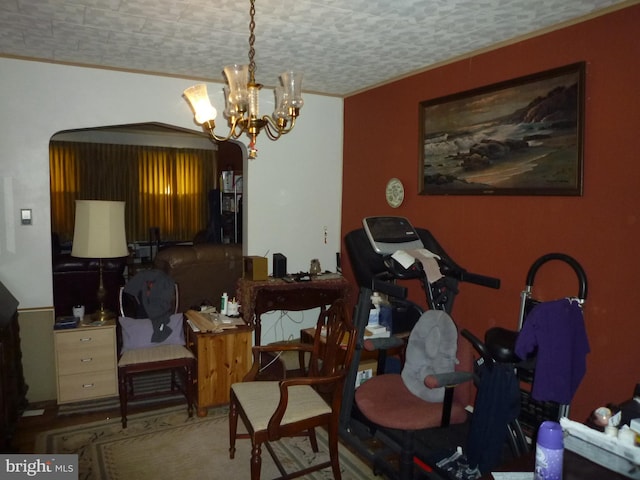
(85, 360)
(85, 338)
(73, 388)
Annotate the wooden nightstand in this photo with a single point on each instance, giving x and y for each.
(86, 362)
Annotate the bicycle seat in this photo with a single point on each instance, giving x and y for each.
(501, 344)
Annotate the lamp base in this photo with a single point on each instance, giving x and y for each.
(103, 315)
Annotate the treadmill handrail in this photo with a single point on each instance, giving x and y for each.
(474, 278)
(389, 288)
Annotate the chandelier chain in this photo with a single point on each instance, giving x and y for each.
(252, 39)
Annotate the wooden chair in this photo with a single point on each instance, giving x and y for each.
(271, 410)
(138, 356)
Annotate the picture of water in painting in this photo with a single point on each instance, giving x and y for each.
(520, 138)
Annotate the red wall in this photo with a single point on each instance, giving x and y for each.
(502, 236)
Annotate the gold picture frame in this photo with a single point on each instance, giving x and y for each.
(519, 137)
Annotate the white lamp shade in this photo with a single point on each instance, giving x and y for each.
(99, 230)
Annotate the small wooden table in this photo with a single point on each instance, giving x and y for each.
(222, 358)
(258, 297)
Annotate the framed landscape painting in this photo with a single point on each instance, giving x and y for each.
(518, 137)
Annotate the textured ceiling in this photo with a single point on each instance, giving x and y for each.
(343, 46)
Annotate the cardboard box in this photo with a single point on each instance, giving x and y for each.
(255, 268)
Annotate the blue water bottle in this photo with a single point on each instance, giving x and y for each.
(549, 452)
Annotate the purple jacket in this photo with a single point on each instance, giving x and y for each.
(557, 329)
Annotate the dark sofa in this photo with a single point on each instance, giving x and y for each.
(203, 271)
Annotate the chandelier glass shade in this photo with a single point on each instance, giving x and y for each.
(242, 98)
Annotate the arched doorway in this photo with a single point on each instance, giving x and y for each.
(180, 165)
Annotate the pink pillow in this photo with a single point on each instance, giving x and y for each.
(137, 332)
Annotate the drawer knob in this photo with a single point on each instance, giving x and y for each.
(85, 360)
(88, 385)
(85, 339)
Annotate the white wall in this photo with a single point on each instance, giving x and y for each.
(293, 188)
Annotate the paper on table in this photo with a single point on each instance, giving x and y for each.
(512, 475)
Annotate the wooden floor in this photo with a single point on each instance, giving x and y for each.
(28, 428)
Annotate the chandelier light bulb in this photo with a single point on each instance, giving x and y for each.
(200, 104)
(292, 83)
(280, 112)
(238, 78)
(230, 111)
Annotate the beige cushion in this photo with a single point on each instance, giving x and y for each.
(259, 401)
(154, 354)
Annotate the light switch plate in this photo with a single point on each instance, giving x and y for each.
(25, 216)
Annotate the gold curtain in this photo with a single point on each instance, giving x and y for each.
(162, 187)
(64, 185)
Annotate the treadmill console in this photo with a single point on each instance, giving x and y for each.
(389, 234)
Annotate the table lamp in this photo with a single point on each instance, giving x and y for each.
(99, 233)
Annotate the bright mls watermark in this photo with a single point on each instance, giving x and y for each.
(50, 466)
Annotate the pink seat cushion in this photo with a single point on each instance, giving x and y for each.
(387, 402)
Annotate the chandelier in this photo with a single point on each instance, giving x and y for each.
(241, 97)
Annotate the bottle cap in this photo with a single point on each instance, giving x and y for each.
(550, 435)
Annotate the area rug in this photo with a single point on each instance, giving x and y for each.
(167, 444)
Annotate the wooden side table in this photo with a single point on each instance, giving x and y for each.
(86, 362)
(222, 359)
(258, 297)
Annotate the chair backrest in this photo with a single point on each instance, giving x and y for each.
(334, 342)
(129, 305)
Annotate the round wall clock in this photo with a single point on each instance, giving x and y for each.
(394, 192)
